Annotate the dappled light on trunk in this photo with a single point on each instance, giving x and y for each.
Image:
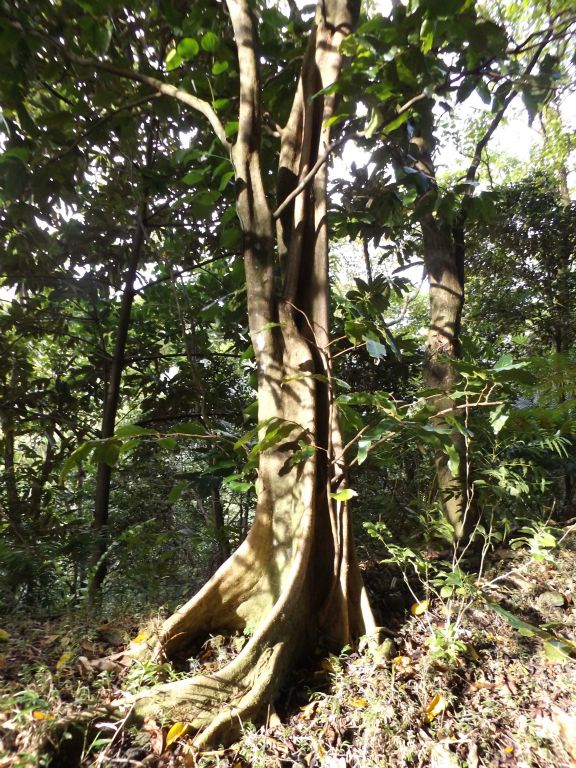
(295, 580)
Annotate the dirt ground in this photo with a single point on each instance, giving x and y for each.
(483, 679)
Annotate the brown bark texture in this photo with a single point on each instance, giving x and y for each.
(295, 579)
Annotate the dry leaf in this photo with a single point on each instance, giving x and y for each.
(309, 710)
(441, 757)
(358, 702)
(177, 730)
(156, 736)
(436, 706)
(417, 609)
(140, 638)
(48, 640)
(566, 725)
(37, 714)
(64, 659)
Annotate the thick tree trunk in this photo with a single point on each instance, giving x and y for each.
(446, 290)
(295, 578)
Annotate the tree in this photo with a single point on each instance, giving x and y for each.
(296, 575)
(438, 55)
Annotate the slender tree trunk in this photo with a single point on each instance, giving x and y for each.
(111, 403)
(222, 542)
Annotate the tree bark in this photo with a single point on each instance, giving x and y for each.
(446, 291)
(295, 578)
(111, 403)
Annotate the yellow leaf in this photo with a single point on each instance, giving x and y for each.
(419, 608)
(436, 705)
(509, 750)
(4, 636)
(309, 710)
(177, 730)
(37, 714)
(140, 637)
(327, 665)
(358, 702)
(64, 659)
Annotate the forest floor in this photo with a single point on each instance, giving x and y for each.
(486, 679)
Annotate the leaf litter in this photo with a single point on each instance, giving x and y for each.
(504, 700)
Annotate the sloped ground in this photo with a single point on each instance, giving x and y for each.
(458, 683)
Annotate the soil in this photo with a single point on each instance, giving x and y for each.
(487, 678)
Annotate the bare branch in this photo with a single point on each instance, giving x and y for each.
(311, 173)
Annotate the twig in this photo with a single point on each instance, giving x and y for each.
(199, 105)
(312, 172)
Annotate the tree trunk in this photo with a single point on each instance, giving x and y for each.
(295, 578)
(111, 403)
(446, 290)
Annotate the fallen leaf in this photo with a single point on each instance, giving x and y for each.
(177, 730)
(4, 636)
(473, 755)
(156, 736)
(327, 665)
(567, 730)
(37, 714)
(309, 710)
(417, 609)
(48, 640)
(64, 659)
(140, 638)
(436, 706)
(441, 757)
(358, 702)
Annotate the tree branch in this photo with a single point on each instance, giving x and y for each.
(311, 173)
(199, 105)
(473, 169)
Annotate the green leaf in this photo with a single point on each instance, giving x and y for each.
(238, 483)
(189, 428)
(219, 67)
(193, 177)
(210, 42)
(506, 363)
(498, 418)
(75, 458)
(397, 122)
(168, 443)
(363, 448)
(173, 60)
(453, 459)
(187, 48)
(177, 491)
(376, 349)
(106, 452)
(344, 495)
